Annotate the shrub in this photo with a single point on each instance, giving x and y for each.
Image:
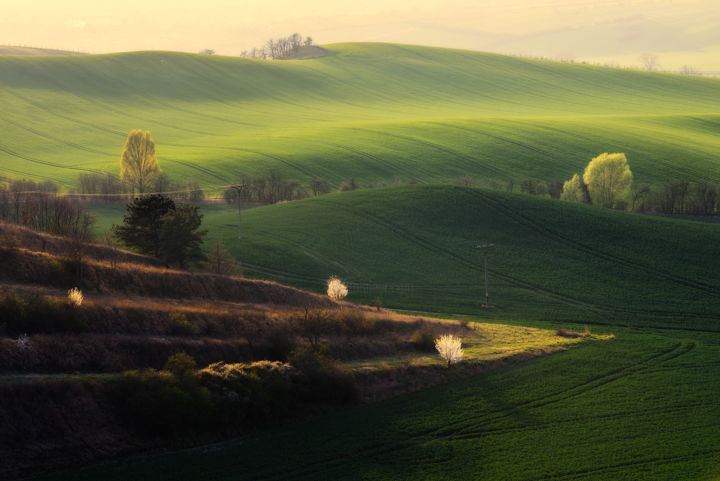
(179, 325)
(38, 314)
(450, 348)
(424, 340)
(180, 364)
(336, 290)
(312, 325)
(326, 380)
(378, 304)
(281, 341)
(355, 322)
(75, 297)
(156, 404)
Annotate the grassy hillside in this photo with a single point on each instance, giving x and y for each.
(415, 247)
(372, 111)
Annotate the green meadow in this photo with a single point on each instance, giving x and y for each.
(640, 406)
(376, 112)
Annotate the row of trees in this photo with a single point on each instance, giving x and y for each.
(608, 182)
(278, 48)
(10, 184)
(48, 213)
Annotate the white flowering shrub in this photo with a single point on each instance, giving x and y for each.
(336, 290)
(75, 297)
(450, 348)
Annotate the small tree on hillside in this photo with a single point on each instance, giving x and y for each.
(138, 163)
(336, 290)
(220, 261)
(575, 190)
(608, 178)
(450, 348)
(143, 222)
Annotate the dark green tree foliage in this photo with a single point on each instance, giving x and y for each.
(143, 222)
(180, 239)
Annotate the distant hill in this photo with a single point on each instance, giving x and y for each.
(376, 112)
(13, 50)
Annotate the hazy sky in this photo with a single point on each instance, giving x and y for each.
(678, 31)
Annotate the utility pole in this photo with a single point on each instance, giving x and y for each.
(485, 248)
(240, 191)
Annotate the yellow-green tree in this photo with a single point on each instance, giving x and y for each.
(138, 163)
(573, 190)
(608, 178)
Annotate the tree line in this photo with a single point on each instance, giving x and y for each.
(278, 48)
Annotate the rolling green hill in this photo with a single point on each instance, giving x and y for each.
(414, 247)
(641, 406)
(372, 111)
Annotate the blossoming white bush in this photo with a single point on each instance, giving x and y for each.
(75, 296)
(450, 348)
(336, 289)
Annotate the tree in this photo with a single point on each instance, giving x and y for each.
(143, 222)
(308, 41)
(608, 178)
(574, 190)
(336, 290)
(319, 186)
(450, 348)
(179, 237)
(649, 61)
(138, 163)
(220, 261)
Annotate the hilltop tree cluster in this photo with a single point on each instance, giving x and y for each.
(278, 48)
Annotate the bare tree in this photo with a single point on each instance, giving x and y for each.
(308, 41)
(295, 41)
(649, 61)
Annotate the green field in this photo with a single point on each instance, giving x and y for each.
(414, 247)
(641, 406)
(373, 111)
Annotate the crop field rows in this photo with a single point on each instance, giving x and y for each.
(375, 112)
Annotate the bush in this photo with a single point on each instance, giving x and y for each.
(336, 289)
(450, 349)
(155, 403)
(180, 364)
(281, 341)
(38, 314)
(179, 325)
(424, 340)
(326, 380)
(75, 297)
(312, 325)
(354, 322)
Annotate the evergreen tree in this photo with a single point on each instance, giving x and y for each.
(180, 239)
(143, 222)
